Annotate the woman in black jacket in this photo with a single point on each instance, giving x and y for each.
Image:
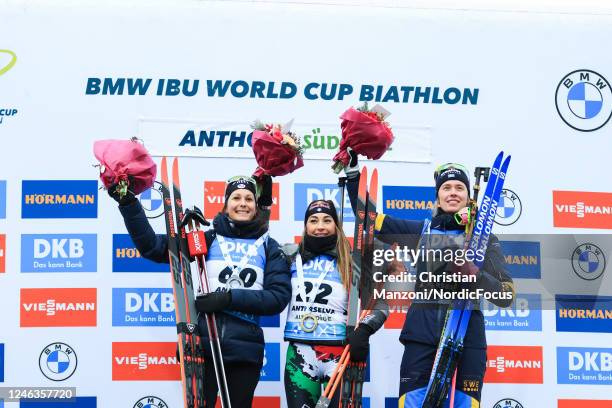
(425, 319)
(261, 285)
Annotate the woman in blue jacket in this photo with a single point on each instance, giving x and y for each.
(425, 319)
(248, 276)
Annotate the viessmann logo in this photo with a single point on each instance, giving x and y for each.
(576, 403)
(58, 307)
(514, 364)
(581, 209)
(59, 199)
(214, 199)
(145, 361)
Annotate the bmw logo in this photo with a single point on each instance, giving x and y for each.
(150, 402)
(57, 361)
(152, 201)
(584, 100)
(509, 208)
(508, 403)
(588, 261)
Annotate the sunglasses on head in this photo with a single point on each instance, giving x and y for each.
(447, 166)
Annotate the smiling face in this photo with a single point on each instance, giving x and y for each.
(240, 205)
(452, 196)
(320, 225)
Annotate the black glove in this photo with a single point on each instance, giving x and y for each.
(352, 170)
(213, 302)
(128, 198)
(265, 196)
(360, 343)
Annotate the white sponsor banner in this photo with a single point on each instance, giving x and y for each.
(225, 138)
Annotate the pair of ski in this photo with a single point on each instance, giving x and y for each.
(458, 314)
(186, 240)
(352, 375)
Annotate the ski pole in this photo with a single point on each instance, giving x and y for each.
(342, 185)
(197, 248)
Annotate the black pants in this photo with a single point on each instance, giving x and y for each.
(242, 378)
(415, 370)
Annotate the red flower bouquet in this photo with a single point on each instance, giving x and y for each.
(277, 150)
(120, 159)
(366, 132)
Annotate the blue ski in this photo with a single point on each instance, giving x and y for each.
(458, 315)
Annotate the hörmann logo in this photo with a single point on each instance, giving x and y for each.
(145, 361)
(579, 313)
(59, 199)
(582, 209)
(126, 258)
(58, 307)
(143, 307)
(584, 365)
(411, 203)
(58, 253)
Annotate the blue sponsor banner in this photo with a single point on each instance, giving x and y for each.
(579, 313)
(59, 199)
(59, 253)
(391, 402)
(2, 198)
(584, 365)
(1, 362)
(126, 257)
(305, 193)
(523, 259)
(271, 368)
(525, 314)
(143, 307)
(78, 402)
(270, 321)
(409, 203)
